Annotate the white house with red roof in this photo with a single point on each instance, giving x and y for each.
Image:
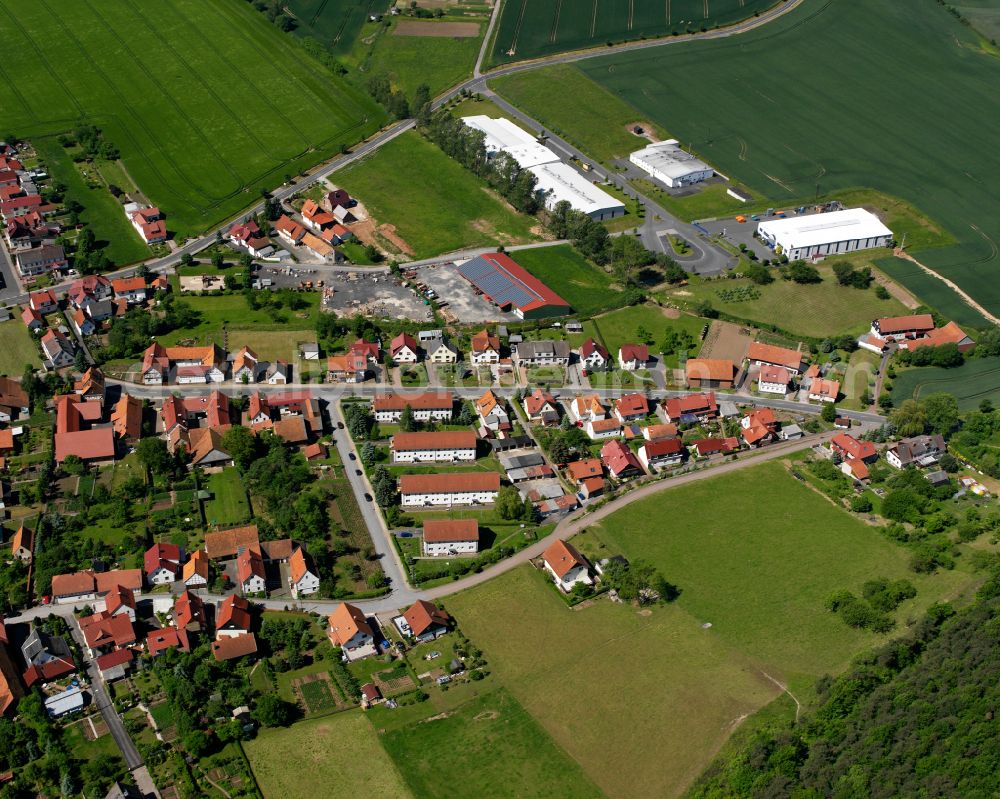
(773, 380)
(631, 407)
(148, 223)
(302, 576)
(162, 563)
(693, 407)
(619, 460)
(403, 349)
(594, 356)
(633, 356)
(759, 427)
(849, 448)
(249, 236)
(566, 566)
(57, 348)
(541, 406)
(130, 289)
(664, 452)
(45, 302)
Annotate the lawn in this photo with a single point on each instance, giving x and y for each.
(725, 99)
(623, 327)
(408, 61)
(228, 505)
(436, 205)
(815, 309)
(503, 752)
(196, 97)
(970, 383)
(18, 348)
(544, 27)
(310, 759)
(271, 333)
(761, 578)
(585, 286)
(613, 686)
(101, 212)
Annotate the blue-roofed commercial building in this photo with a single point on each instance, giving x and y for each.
(512, 288)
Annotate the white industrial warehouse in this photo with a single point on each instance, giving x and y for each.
(556, 181)
(817, 235)
(666, 162)
(502, 135)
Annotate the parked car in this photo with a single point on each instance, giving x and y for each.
(368, 496)
(352, 456)
(357, 472)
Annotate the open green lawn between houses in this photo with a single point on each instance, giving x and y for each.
(18, 347)
(228, 505)
(207, 101)
(437, 205)
(816, 310)
(585, 286)
(754, 554)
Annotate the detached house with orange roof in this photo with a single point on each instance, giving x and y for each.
(302, 576)
(22, 545)
(761, 354)
(566, 566)
(185, 365)
(823, 390)
(349, 630)
(130, 289)
(233, 617)
(588, 408)
(690, 408)
(316, 218)
(349, 368)
(289, 232)
(250, 574)
(598, 429)
(126, 419)
(541, 407)
(492, 412)
(485, 348)
(148, 223)
(759, 427)
(424, 622)
(195, 571)
(850, 448)
(631, 407)
(246, 366)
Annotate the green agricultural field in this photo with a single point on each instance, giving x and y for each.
(814, 309)
(228, 505)
(555, 95)
(503, 753)
(102, 213)
(585, 286)
(436, 205)
(578, 672)
(439, 61)
(310, 759)
(207, 101)
(18, 348)
(543, 27)
(335, 23)
(730, 100)
(970, 383)
(931, 290)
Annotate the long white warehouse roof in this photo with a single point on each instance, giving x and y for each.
(797, 232)
(560, 181)
(504, 135)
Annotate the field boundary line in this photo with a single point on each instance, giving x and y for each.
(905, 256)
(784, 689)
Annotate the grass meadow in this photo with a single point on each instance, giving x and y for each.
(313, 758)
(18, 348)
(730, 99)
(544, 27)
(207, 101)
(229, 504)
(436, 205)
(970, 383)
(585, 286)
(813, 309)
(488, 746)
(754, 554)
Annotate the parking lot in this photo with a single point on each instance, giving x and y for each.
(462, 302)
(378, 295)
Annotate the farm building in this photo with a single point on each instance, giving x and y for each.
(819, 235)
(666, 162)
(508, 286)
(558, 181)
(502, 135)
